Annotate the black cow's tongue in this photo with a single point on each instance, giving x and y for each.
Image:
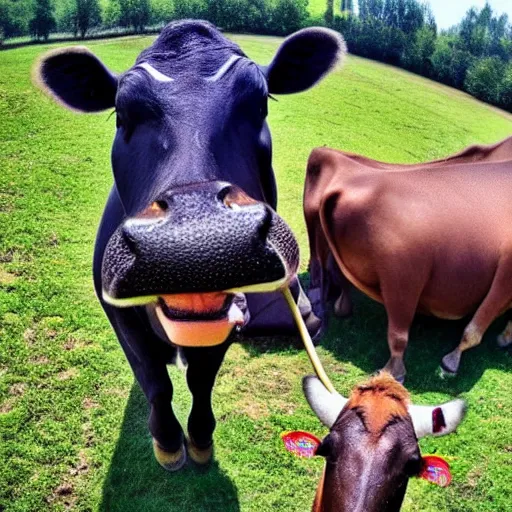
(198, 319)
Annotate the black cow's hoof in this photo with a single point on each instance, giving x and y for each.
(200, 455)
(170, 461)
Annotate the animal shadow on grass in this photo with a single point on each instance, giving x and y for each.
(362, 341)
(136, 482)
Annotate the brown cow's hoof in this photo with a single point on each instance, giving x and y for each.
(450, 362)
(444, 373)
(171, 461)
(199, 455)
(395, 366)
(503, 342)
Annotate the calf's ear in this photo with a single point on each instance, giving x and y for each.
(435, 470)
(76, 78)
(303, 59)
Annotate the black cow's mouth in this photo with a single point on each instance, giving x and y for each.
(195, 306)
(199, 319)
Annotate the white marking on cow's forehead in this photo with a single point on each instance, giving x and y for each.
(160, 77)
(224, 68)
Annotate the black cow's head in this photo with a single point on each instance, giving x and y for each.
(192, 164)
(372, 448)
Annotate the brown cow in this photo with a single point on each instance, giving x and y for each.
(372, 448)
(434, 238)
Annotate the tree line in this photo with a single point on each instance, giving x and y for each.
(475, 55)
(40, 18)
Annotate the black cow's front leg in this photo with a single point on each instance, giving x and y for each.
(148, 356)
(203, 365)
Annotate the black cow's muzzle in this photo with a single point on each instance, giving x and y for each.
(191, 251)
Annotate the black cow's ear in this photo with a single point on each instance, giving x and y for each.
(303, 59)
(77, 78)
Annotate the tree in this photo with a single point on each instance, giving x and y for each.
(14, 17)
(192, 9)
(347, 6)
(419, 52)
(87, 15)
(43, 21)
(135, 13)
(484, 78)
(505, 99)
(288, 16)
(329, 12)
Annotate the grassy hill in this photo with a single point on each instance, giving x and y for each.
(73, 430)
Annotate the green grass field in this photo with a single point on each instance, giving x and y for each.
(72, 422)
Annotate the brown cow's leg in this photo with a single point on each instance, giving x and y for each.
(471, 338)
(494, 303)
(398, 336)
(400, 295)
(400, 316)
(505, 338)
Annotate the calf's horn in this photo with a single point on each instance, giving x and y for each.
(325, 404)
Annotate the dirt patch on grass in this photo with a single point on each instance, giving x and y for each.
(89, 403)
(82, 466)
(17, 389)
(39, 360)
(254, 409)
(6, 278)
(68, 374)
(63, 495)
(29, 336)
(72, 342)
(7, 405)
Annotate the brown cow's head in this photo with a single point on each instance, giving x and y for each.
(372, 447)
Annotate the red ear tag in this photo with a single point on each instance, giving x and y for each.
(436, 470)
(300, 443)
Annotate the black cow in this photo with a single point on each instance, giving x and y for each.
(192, 148)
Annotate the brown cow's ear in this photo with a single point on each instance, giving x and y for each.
(76, 78)
(303, 59)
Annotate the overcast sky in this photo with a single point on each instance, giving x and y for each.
(450, 12)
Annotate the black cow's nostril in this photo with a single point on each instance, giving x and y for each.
(265, 225)
(162, 204)
(223, 193)
(129, 237)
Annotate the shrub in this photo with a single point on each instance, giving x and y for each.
(483, 79)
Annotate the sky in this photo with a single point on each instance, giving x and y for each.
(450, 12)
